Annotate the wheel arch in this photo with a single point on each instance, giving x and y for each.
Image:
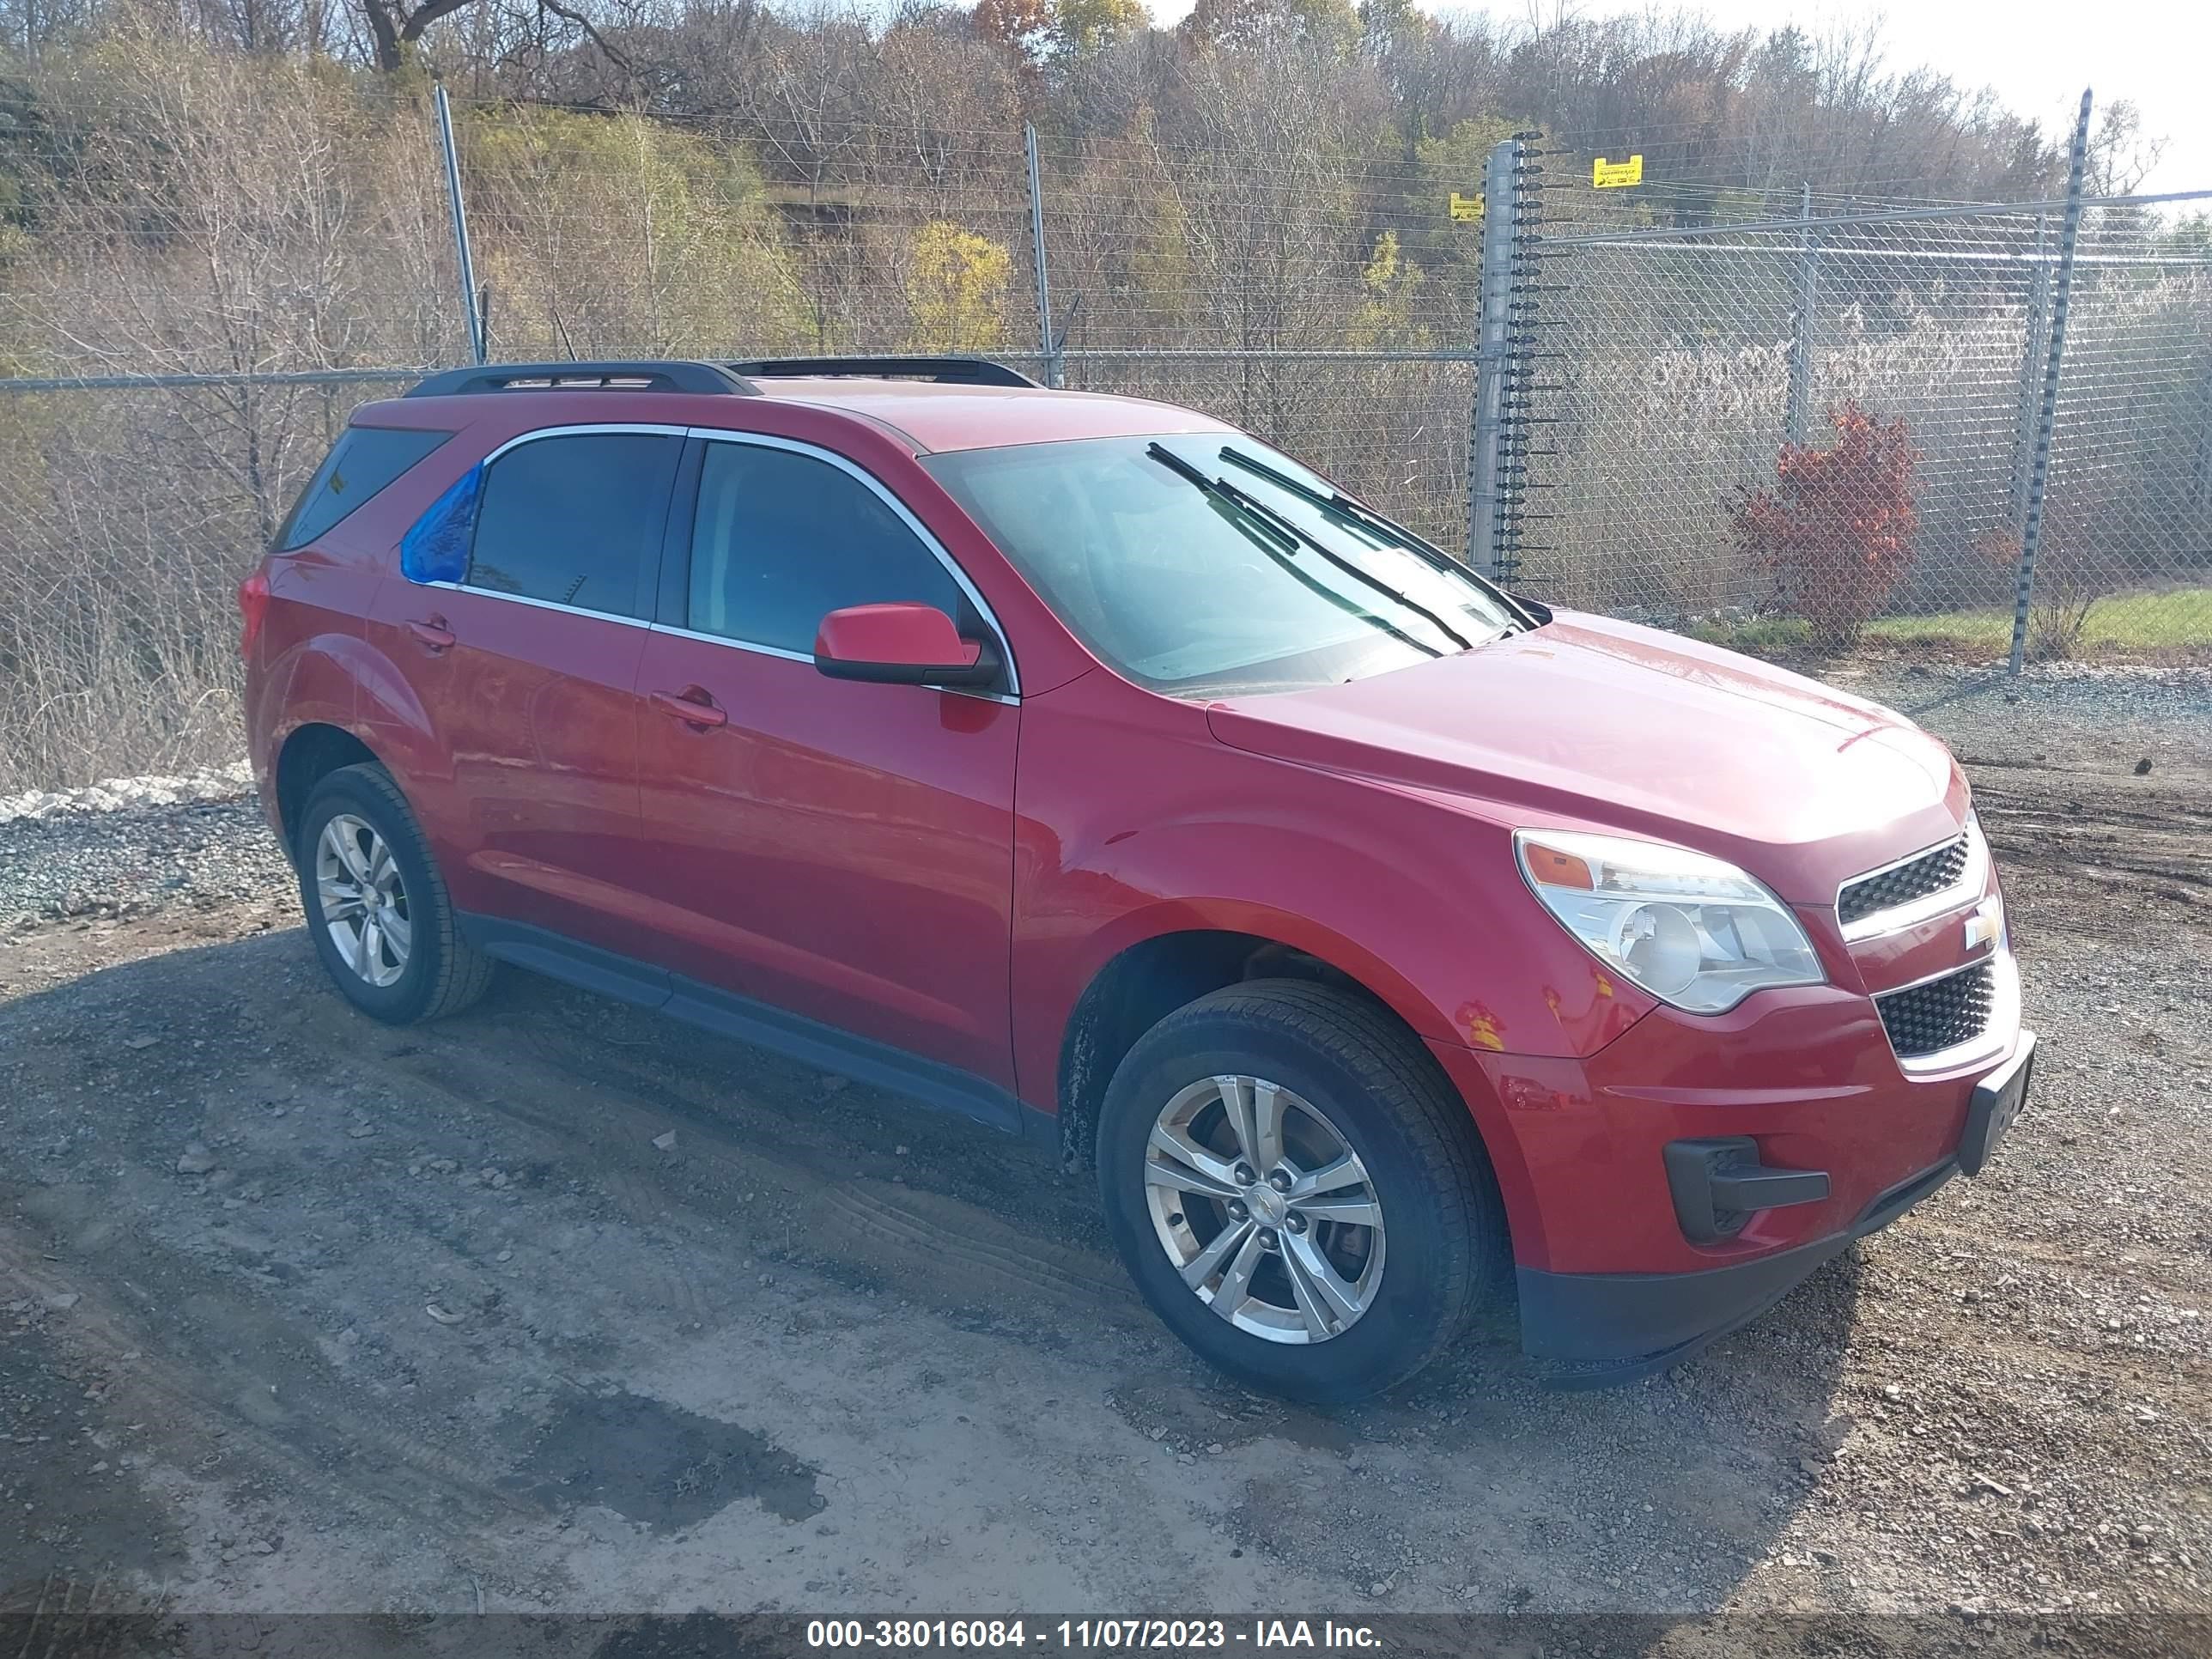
(1150, 977)
(310, 753)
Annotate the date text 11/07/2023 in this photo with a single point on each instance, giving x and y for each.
(1087, 1635)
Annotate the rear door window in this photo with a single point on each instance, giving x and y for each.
(576, 519)
(363, 462)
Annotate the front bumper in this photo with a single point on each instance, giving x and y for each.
(1606, 1328)
(1600, 1162)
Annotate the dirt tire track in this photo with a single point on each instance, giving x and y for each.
(930, 1243)
(156, 1377)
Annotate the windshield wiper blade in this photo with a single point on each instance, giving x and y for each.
(1277, 537)
(1221, 489)
(1252, 504)
(1335, 501)
(1321, 590)
(1266, 523)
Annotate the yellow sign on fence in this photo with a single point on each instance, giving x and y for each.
(1465, 207)
(1612, 175)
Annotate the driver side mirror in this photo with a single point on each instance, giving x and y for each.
(902, 644)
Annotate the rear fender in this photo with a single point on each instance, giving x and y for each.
(392, 720)
(310, 683)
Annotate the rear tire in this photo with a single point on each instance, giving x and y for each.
(377, 909)
(1329, 1295)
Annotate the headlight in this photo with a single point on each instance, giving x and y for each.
(1692, 931)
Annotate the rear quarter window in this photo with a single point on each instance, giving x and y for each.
(361, 463)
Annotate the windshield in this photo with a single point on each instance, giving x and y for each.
(1204, 564)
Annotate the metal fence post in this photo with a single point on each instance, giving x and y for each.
(470, 314)
(1806, 304)
(1493, 364)
(2035, 350)
(2039, 479)
(1045, 342)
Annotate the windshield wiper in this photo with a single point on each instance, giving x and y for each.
(1339, 505)
(1266, 531)
(1337, 502)
(1293, 538)
(1221, 489)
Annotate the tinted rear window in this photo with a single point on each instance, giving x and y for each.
(576, 519)
(366, 459)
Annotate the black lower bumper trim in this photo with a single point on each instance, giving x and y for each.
(1609, 1328)
(1719, 1183)
(1631, 1316)
(1898, 1199)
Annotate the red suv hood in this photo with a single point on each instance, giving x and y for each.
(1627, 728)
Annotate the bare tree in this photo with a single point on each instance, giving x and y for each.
(539, 28)
(218, 214)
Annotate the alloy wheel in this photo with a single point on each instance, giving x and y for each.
(364, 900)
(1264, 1209)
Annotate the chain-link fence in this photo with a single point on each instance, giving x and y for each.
(231, 256)
(1854, 431)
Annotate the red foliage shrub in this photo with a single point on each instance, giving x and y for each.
(1836, 526)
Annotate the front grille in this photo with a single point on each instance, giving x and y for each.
(1915, 879)
(1926, 1019)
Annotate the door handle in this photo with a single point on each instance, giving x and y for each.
(692, 705)
(432, 635)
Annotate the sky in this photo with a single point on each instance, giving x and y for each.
(2036, 55)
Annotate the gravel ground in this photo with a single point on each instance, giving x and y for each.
(2063, 717)
(129, 859)
(299, 1312)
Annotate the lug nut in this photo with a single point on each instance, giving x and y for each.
(1245, 1173)
(1236, 1210)
(1279, 1181)
(1296, 1224)
(1268, 1240)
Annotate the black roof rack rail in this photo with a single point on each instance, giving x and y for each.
(957, 371)
(711, 380)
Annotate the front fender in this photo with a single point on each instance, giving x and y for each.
(1132, 822)
(1234, 913)
(1367, 940)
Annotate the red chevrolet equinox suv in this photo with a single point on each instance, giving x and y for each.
(1393, 945)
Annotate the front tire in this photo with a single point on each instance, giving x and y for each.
(377, 909)
(1297, 1190)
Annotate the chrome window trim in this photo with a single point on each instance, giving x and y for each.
(776, 651)
(767, 440)
(1973, 880)
(539, 604)
(882, 492)
(583, 429)
(747, 646)
(647, 428)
